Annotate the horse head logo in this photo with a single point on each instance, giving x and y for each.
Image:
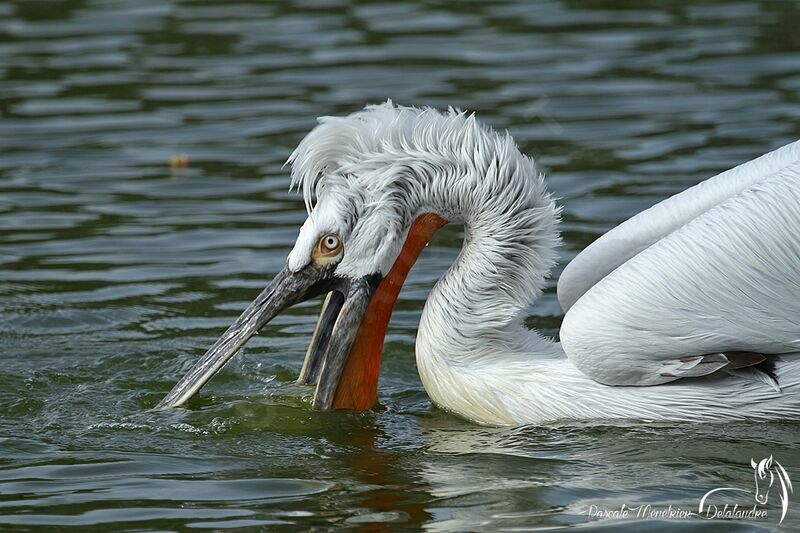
(765, 473)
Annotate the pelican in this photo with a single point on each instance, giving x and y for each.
(689, 311)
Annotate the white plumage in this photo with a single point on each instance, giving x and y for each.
(714, 268)
(725, 280)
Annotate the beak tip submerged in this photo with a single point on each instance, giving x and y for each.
(327, 356)
(286, 289)
(173, 399)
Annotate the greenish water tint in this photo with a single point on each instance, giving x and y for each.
(117, 272)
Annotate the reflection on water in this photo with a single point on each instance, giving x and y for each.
(118, 269)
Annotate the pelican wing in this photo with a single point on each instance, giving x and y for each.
(711, 270)
(638, 233)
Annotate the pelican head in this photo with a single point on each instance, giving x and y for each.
(372, 217)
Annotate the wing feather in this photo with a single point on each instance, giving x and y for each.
(728, 280)
(638, 233)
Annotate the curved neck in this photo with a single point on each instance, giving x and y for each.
(510, 224)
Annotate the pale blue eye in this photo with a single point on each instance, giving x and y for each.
(330, 242)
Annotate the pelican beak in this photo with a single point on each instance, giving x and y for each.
(337, 330)
(287, 289)
(344, 356)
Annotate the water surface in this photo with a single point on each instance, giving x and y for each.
(118, 271)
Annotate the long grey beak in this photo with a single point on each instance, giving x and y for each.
(330, 347)
(285, 290)
(357, 295)
(315, 356)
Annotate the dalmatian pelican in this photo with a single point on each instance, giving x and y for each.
(689, 311)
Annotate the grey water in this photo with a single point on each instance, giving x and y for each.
(118, 269)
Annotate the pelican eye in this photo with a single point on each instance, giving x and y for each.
(329, 244)
(328, 248)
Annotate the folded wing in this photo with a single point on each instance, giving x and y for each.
(711, 270)
(648, 227)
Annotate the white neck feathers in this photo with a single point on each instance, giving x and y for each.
(402, 162)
